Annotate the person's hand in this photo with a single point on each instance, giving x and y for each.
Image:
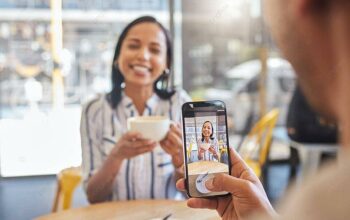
(172, 144)
(212, 150)
(201, 151)
(247, 195)
(132, 144)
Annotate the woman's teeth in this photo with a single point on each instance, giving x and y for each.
(141, 68)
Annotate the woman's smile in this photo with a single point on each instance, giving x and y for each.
(141, 70)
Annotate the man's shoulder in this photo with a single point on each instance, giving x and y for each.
(323, 196)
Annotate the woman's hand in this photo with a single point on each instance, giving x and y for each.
(172, 144)
(132, 144)
(247, 195)
(100, 184)
(213, 152)
(201, 152)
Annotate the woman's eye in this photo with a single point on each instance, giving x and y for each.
(133, 46)
(155, 50)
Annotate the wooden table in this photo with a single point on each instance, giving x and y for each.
(136, 209)
(204, 166)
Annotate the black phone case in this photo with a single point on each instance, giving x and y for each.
(203, 104)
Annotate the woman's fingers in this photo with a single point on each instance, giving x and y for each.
(176, 129)
(175, 141)
(172, 144)
(174, 137)
(177, 161)
(132, 136)
(134, 147)
(166, 145)
(141, 143)
(212, 150)
(145, 149)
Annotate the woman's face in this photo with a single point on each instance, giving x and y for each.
(143, 56)
(206, 130)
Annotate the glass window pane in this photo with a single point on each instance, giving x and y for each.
(222, 46)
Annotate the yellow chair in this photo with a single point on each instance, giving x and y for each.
(222, 149)
(256, 146)
(67, 181)
(189, 151)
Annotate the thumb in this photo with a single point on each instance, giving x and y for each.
(224, 182)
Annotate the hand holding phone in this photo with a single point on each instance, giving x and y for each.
(242, 184)
(206, 123)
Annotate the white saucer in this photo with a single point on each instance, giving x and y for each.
(200, 182)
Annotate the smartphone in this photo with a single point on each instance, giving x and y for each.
(206, 146)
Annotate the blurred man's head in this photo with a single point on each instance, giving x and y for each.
(311, 36)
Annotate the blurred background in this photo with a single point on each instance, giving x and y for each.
(222, 50)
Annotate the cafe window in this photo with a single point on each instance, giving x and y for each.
(222, 46)
(217, 47)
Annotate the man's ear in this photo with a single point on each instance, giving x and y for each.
(309, 9)
(305, 7)
(301, 7)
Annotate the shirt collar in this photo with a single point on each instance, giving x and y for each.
(126, 101)
(151, 103)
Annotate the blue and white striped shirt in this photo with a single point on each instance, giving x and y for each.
(147, 176)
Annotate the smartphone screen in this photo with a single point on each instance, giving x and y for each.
(205, 145)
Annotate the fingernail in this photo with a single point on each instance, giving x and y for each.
(209, 183)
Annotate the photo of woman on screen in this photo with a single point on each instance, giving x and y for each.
(208, 144)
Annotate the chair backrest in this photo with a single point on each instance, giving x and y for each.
(189, 151)
(67, 181)
(256, 145)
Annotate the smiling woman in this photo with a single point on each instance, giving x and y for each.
(143, 55)
(123, 165)
(208, 149)
(144, 45)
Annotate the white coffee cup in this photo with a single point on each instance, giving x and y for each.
(205, 146)
(151, 127)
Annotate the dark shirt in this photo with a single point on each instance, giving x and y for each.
(305, 125)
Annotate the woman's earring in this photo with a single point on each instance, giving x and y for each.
(166, 72)
(165, 78)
